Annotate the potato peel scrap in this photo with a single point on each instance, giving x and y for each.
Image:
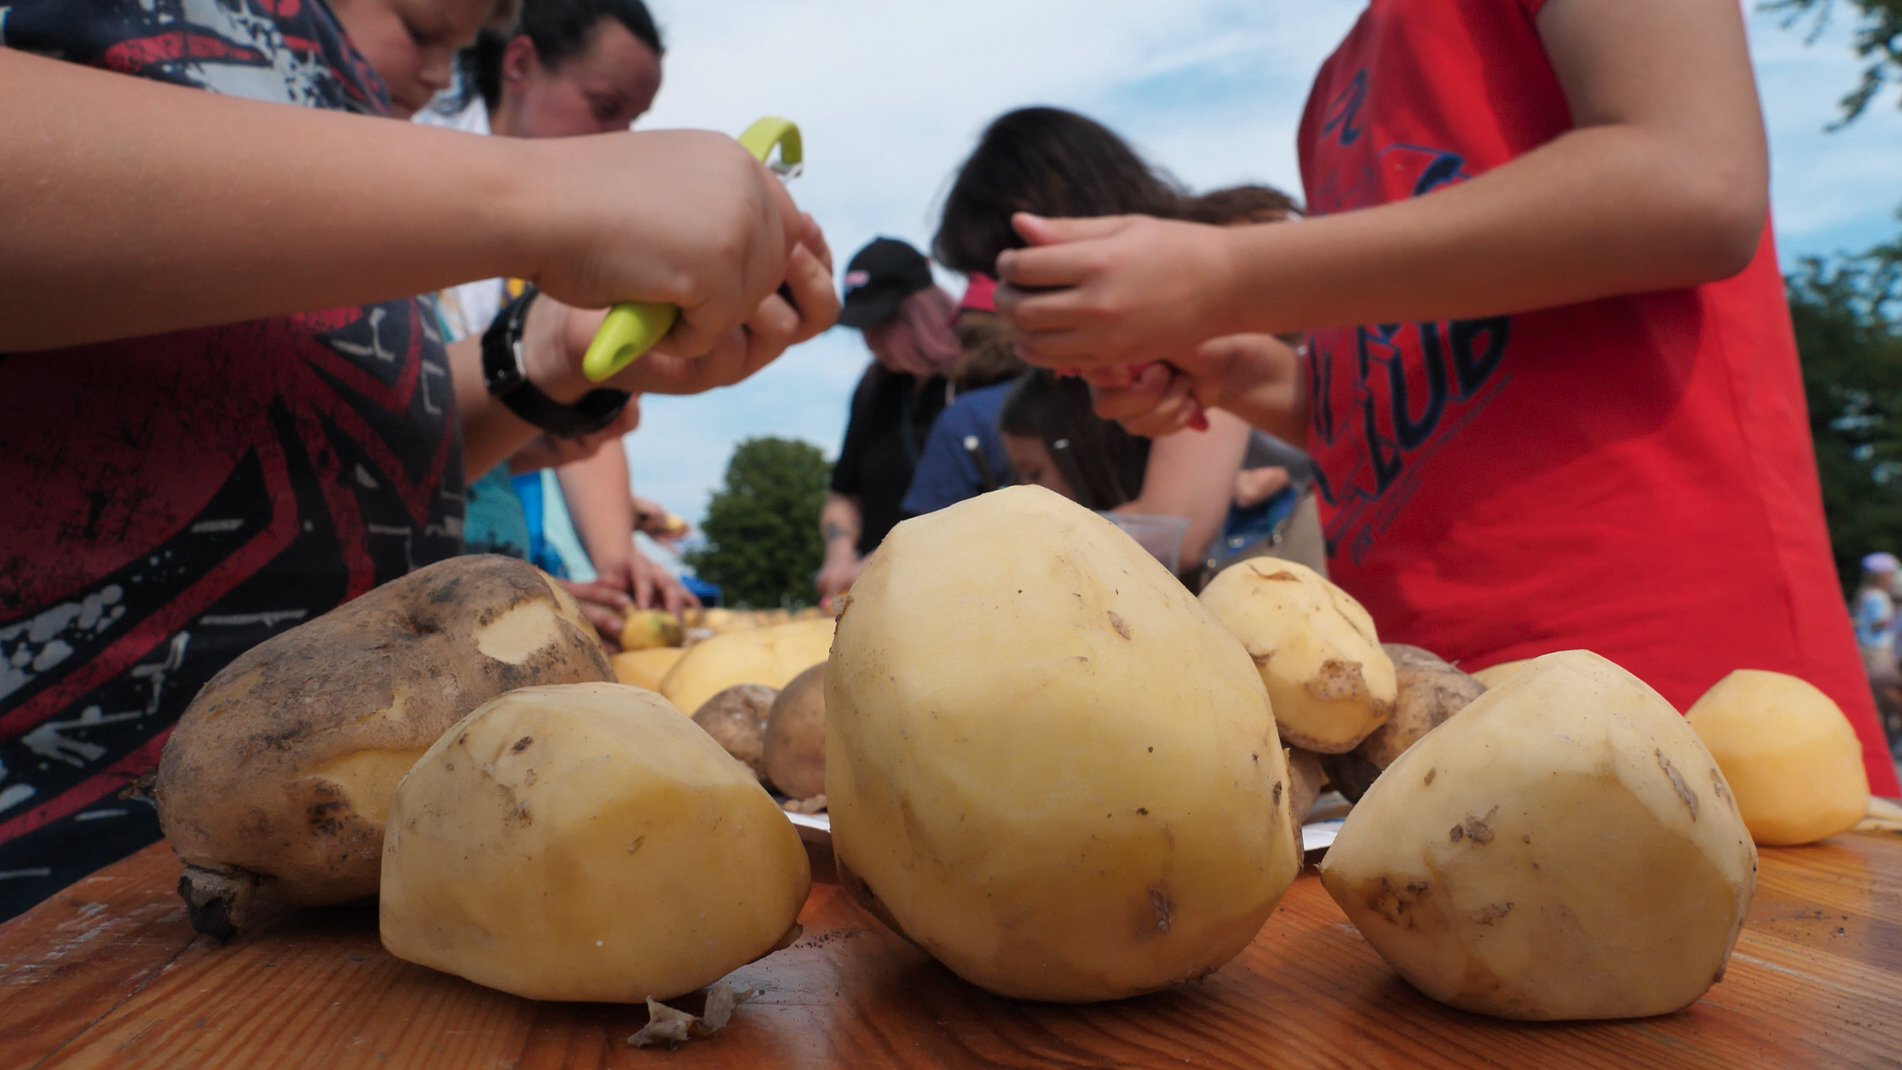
(674, 1027)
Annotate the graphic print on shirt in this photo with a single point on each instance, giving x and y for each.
(1384, 398)
(177, 499)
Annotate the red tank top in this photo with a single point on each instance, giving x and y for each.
(1632, 476)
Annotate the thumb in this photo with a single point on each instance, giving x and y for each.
(1037, 230)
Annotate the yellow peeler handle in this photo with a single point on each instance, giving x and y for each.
(631, 329)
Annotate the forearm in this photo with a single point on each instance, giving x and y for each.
(1191, 474)
(600, 501)
(1590, 215)
(1662, 183)
(490, 432)
(175, 208)
(1267, 388)
(839, 525)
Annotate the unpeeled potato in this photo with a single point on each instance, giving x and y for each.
(279, 774)
(796, 736)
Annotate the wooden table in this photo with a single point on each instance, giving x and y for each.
(109, 974)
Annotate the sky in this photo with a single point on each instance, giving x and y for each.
(890, 96)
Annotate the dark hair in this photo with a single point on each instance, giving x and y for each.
(1052, 162)
(560, 30)
(1103, 463)
(1233, 205)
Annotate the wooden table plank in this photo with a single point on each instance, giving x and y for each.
(109, 974)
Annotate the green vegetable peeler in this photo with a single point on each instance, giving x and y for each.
(631, 329)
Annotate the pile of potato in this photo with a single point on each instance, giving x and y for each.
(1047, 764)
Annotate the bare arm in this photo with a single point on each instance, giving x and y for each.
(1661, 184)
(1191, 474)
(600, 499)
(136, 208)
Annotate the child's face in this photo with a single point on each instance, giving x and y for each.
(599, 91)
(1034, 465)
(412, 44)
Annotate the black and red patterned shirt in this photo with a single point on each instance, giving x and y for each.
(171, 501)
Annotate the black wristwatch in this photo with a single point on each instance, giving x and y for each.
(507, 379)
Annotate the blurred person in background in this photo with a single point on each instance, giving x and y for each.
(568, 68)
(892, 298)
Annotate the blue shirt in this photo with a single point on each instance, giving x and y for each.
(947, 472)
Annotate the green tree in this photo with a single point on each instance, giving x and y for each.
(1850, 336)
(762, 527)
(1878, 41)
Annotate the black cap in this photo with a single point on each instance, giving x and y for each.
(878, 280)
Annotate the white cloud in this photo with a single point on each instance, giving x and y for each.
(890, 96)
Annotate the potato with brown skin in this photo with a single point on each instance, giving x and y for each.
(282, 769)
(1430, 691)
(796, 736)
(736, 719)
(1307, 778)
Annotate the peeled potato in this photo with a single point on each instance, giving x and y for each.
(1562, 848)
(1791, 757)
(1494, 675)
(770, 654)
(649, 629)
(645, 668)
(1047, 764)
(1430, 691)
(1329, 680)
(586, 843)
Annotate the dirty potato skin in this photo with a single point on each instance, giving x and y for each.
(282, 768)
(1430, 691)
(736, 719)
(796, 736)
(1307, 778)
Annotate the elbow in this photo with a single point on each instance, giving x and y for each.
(1725, 230)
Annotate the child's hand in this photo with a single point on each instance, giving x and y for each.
(1111, 290)
(1158, 401)
(682, 217)
(557, 337)
(1255, 376)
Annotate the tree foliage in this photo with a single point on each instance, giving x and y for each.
(762, 526)
(1878, 41)
(1849, 332)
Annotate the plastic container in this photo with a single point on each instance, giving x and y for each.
(1160, 535)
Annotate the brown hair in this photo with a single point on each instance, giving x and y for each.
(1232, 205)
(987, 356)
(1103, 463)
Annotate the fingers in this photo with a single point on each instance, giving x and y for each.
(761, 254)
(643, 588)
(1157, 402)
(1038, 230)
(809, 279)
(816, 243)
